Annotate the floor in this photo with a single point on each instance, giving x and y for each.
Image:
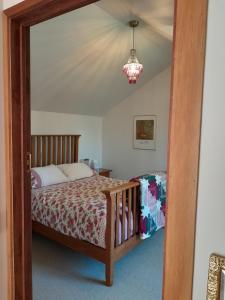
(61, 274)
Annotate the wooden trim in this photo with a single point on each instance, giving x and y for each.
(19, 122)
(27, 224)
(185, 119)
(32, 12)
(184, 143)
(125, 186)
(110, 238)
(129, 214)
(123, 215)
(43, 152)
(123, 249)
(117, 199)
(9, 290)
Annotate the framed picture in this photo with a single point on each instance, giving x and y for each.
(216, 278)
(145, 132)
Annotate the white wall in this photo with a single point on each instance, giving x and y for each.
(210, 235)
(118, 152)
(90, 128)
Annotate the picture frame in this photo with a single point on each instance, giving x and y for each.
(144, 134)
(216, 278)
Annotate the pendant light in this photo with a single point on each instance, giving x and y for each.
(133, 68)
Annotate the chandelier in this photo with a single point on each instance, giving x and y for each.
(133, 68)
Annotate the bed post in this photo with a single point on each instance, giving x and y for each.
(121, 201)
(110, 238)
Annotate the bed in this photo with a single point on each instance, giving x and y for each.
(102, 219)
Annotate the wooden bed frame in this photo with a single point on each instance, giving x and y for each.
(59, 149)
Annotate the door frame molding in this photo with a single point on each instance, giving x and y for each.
(190, 21)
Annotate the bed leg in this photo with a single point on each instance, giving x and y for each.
(109, 273)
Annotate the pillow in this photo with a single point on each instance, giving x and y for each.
(48, 175)
(76, 171)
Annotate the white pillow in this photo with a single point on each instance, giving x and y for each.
(76, 171)
(50, 175)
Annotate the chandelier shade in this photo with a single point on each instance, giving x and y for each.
(132, 69)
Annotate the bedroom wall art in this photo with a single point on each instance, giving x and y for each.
(145, 132)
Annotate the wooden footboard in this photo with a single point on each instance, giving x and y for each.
(122, 213)
(122, 208)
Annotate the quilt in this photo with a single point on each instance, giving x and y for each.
(152, 203)
(76, 208)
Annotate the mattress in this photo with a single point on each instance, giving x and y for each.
(76, 208)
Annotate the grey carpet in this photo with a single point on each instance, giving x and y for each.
(61, 274)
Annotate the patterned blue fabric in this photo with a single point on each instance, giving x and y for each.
(152, 203)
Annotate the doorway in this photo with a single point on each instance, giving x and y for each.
(186, 99)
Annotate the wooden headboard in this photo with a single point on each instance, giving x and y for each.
(53, 149)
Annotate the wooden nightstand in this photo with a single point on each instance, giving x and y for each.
(104, 172)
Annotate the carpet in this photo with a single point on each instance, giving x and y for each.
(62, 274)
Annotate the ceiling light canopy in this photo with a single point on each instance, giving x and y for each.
(133, 68)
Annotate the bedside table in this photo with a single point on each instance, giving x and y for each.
(104, 172)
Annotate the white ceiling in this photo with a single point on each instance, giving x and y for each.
(76, 58)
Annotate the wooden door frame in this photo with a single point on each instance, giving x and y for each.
(190, 21)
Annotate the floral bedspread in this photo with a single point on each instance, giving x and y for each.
(76, 208)
(152, 203)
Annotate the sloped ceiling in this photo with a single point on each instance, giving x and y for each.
(76, 58)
